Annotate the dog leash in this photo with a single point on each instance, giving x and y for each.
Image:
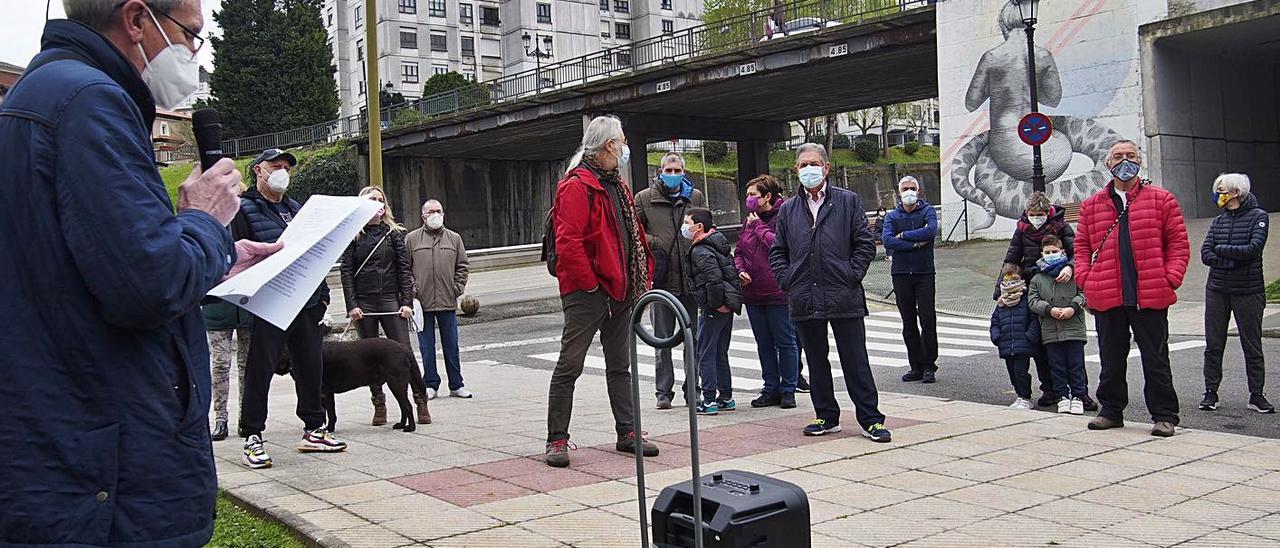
(351, 324)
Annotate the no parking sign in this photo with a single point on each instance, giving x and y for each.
(1035, 129)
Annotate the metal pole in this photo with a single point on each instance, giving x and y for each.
(1037, 166)
(373, 87)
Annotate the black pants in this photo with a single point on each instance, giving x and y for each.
(1219, 307)
(851, 344)
(584, 314)
(1019, 376)
(915, 296)
(396, 328)
(1150, 329)
(266, 343)
(1044, 373)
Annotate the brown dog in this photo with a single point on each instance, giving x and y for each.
(371, 362)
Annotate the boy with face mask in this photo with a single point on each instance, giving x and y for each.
(719, 294)
(1060, 306)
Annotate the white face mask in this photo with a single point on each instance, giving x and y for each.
(435, 221)
(909, 197)
(174, 73)
(278, 181)
(1037, 221)
(811, 176)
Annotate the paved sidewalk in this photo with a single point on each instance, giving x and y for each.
(956, 474)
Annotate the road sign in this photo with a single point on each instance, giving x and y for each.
(1035, 129)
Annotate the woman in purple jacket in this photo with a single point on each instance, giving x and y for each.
(766, 303)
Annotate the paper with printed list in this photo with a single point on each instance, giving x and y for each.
(277, 288)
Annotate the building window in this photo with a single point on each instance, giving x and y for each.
(408, 38)
(164, 128)
(435, 8)
(362, 87)
(621, 6)
(439, 42)
(358, 17)
(489, 16)
(668, 26)
(605, 29)
(544, 13)
(331, 17)
(469, 75)
(359, 51)
(624, 58)
(604, 5)
(409, 6)
(666, 4)
(469, 46)
(409, 72)
(466, 14)
(623, 31)
(439, 69)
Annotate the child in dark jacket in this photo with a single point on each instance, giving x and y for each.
(717, 289)
(1016, 332)
(1060, 306)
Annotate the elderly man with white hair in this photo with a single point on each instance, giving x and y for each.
(1233, 252)
(438, 260)
(909, 231)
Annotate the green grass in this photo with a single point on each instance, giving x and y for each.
(235, 527)
(785, 159)
(1273, 291)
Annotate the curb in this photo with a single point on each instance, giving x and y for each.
(310, 535)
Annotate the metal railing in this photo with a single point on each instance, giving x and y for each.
(798, 18)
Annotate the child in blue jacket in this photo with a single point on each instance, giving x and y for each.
(1016, 331)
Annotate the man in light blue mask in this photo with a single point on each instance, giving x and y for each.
(660, 210)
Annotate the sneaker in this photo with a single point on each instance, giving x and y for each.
(1105, 423)
(788, 401)
(768, 400)
(1064, 405)
(802, 385)
(431, 393)
(461, 393)
(1047, 400)
(558, 453)
(878, 433)
(1210, 401)
(219, 431)
(1089, 404)
(1162, 429)
(1259, 403)
(321, 441)
(912, 376)
(664, 402)
(928, 377)
(707, 408)
(1020, 403)
(255, 456)
(627, 444)
(727, 405)
(820, 427)
(1077, 406)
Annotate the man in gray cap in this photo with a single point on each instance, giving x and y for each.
(265, 211)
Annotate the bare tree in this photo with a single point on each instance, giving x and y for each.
(888, 113)
(864, 119)
(831, 124)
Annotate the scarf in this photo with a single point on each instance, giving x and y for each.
(637, 262)
(1011, 292)
(685, 192)
(1052, 270)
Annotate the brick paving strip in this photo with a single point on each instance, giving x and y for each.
(957, 474)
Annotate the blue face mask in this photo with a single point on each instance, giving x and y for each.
(1126, 170)
(672, 181)
(1052, 259)
(686, 231)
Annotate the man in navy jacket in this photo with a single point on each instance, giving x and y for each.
(909, 231)
(105, 379)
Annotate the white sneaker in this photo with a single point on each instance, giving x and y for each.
(255, 456)
(321, 441)
(431, 393)
(1021, 403)
(460, 393)
(1077, 406)
(1064, 406)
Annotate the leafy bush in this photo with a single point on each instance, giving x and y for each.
(334, 174)
(407, 117)
(1273, 291)
(867, 150)
(842, 141)
(911, 148)
(715, 150)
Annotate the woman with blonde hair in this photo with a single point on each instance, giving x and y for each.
(377, 283)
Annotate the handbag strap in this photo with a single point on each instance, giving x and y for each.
(371, 252)
(1093, 257)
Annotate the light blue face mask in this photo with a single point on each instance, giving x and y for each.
(811, 176)
(672, 181)
(686, 231)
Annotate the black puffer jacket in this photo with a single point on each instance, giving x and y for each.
(1024, 247)
(386, 275)
(715, 279)
(259, 221)
(1233, 249)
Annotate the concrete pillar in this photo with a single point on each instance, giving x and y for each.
(753, 160)
(639, 173)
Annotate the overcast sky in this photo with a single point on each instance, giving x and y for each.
(23, 22)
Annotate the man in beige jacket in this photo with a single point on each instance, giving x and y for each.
(439, 262)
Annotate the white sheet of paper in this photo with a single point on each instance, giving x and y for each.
(277, 288)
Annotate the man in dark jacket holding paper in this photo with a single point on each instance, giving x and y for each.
(819, 256)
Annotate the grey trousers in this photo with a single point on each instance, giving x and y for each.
(221, 352)
(1247, 309)
(664, 324)
(584, 314)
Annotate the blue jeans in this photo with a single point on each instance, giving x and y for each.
(448, 320)
(776, 344)
(714, 332)
(1066, 359)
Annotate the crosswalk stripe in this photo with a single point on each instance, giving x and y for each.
(972, 322)
(885, 335)
(986, 335)
(1135, 353)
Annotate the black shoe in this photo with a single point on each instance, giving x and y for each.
(1210, 401)
(768, 400)
(788, 401)
(1259, 403)
(928, 378)
(1089, 404)
(912, 376)
(1047, 400)
(802, 385)
(219, 432)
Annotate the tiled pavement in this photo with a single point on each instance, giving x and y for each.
(957, 474)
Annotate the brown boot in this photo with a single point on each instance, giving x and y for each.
(379, 409)
(424, 414)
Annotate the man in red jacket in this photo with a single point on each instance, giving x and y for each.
(1131, 254)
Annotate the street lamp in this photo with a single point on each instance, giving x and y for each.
(537, 53)
(1027, 10)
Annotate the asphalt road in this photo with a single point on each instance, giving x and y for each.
(970, 373)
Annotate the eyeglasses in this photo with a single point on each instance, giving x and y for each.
(192, 36)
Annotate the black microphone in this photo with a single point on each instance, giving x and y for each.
(207, 127)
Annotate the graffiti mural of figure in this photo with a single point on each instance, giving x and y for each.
(993, 169)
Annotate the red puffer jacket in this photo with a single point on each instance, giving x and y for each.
(589, 251)
(1158, 237)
